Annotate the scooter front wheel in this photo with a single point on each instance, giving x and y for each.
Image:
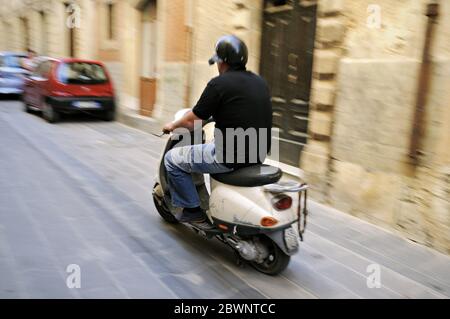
(162, 209)
(276, 261)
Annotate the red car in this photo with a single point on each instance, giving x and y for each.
(69, 86)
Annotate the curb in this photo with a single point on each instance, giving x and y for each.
(142, 123)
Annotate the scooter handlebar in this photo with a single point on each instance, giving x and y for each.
(159, 135)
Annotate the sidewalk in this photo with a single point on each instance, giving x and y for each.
(139, 122)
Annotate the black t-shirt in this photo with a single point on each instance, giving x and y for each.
(239, 101)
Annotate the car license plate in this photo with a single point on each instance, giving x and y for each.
(291, 237)
(86, 104)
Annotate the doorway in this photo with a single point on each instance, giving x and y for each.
(148, 57)
(286, 64)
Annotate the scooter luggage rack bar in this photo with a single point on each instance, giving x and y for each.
(285, 187)
(293, 187)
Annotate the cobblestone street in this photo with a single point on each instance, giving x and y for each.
(79, 192)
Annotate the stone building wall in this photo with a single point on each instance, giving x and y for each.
(362, 100)
(172, 66)
(194, 27)
(55, 32)
(364, 94)
(213, 19)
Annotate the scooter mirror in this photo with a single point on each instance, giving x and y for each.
(158, 135)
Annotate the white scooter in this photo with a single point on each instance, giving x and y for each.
(261, 218)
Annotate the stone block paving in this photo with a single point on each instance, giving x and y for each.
(79, 192)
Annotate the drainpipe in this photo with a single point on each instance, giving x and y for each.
(423, 85)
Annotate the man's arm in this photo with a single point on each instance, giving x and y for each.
(187, 121)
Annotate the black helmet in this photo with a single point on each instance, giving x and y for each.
(231, 50)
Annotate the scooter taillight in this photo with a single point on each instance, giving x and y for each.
(282, 202)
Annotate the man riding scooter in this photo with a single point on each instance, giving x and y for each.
(236, 99)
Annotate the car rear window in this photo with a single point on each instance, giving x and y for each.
(81, 73)
(11, 61)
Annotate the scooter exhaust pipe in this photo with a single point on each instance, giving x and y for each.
(248, 249)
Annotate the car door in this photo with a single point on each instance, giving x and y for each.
(39, 80)
(34, 85)
(31, 83)
(43, 82)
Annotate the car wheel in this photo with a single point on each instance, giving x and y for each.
(26, 107)
(109, 116)
(50, 114)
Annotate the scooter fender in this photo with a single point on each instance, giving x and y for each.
(278, 237)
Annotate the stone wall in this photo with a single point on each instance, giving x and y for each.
(213, 19)
(49, 37)
(364, 95)
(173, 47)
(362, 101)
(190, 31)
(330, 32)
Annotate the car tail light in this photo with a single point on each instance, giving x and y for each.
(268, 221)
(282, 202)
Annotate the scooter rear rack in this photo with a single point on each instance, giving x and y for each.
(293, 187)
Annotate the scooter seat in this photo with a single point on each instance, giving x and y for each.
(251, 176)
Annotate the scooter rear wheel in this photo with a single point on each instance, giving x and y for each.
(163, 210)
(276, 262)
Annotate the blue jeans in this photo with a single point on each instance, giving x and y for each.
(180, 162)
